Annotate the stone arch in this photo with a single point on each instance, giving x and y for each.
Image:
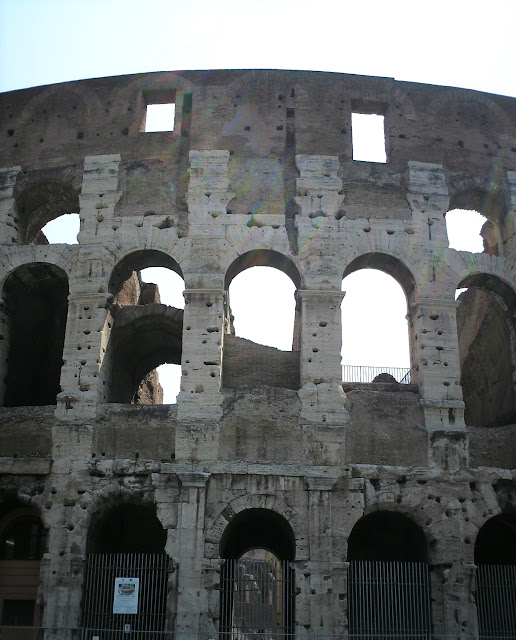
(264, 258)
(215, 530)
(487, 350)
(83, 103)
(142, 339)
(35, 314)
(42, 196)
(389, 264)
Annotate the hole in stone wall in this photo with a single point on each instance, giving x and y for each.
(63, 230)
(159, 117)
(368, 137)
(464, 230)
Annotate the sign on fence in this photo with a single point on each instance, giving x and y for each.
(125, 599)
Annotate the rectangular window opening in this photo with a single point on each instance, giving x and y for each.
(368, 137)
(159, 117)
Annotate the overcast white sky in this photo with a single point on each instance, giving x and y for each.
(462, 43)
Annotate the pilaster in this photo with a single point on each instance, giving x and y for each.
(192, 599)
(8, 226)
(200, 398)
(427, 195)
(321, 392)
(98, 198)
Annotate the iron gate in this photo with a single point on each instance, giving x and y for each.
(152, 570)
(496, 600)
(257, 599)
(389, 600)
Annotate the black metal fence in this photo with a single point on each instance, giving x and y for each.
(116, 608)
(496, 600)
(356, 373)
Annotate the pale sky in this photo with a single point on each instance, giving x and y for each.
(462, 43)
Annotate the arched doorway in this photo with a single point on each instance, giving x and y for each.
(22, 544)
(495, 557)
(127, 574)
(257, 582)
(388, 580)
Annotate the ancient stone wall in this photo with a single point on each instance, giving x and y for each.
(263, 447)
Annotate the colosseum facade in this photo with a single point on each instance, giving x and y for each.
(274, 498)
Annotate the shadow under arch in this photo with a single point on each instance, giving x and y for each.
(36, 297)
(23, 541)
(487, 350)
(39, 203)
(495, 557)
(388, 579)
(387, 536)
(126, 528)
(126, 555)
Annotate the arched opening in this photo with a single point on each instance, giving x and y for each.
(36, 307)
(262, 322)
(42, 202)
(487, 350)
(476, 221)
(148, 289)
(375, 333)
(495, 557)
(257, 580)
(388, 580)
(127, 572)
(23, 541)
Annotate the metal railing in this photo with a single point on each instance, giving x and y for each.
(496, 600)
(358, 373)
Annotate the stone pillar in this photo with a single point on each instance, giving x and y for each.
(200, 398)
(192, 599)
(98, 198)
(427, 195)
(321, 393)
(321, 602)
(8, 226)
(83, 354)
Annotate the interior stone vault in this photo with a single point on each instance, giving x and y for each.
(275, 498)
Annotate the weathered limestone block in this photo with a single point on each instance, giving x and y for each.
(208, 194)
(203, 334)
(318, 197)
(86, 335)
(98, 198)
(321, 391)
(191, 599)
(8, 226)
(427, 195)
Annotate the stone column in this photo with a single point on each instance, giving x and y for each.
(98, 198)
(201, 362)
(83, 353)
(8, 226)
(192, 599)
(321, 602)
(321, 392)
